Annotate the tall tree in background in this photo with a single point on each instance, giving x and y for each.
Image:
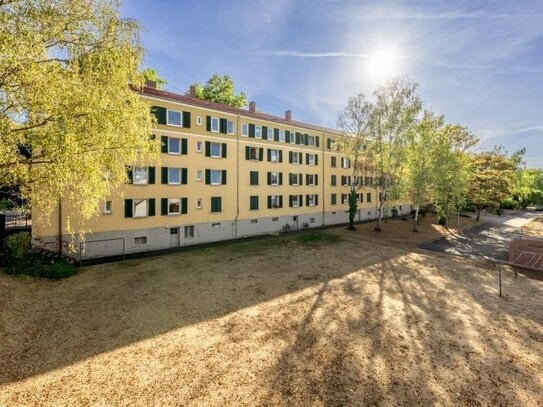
(220, 89)
(393, 114)
(528, 187)
(492, 179)
(67, 113)
(353, 123)
(420, 161)
(149, 74)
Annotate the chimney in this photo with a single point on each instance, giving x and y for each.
(252, 106)
(192, 91)
(288, 115)
(150, 84)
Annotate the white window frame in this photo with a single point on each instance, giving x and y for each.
(296, 183)
(170, 151)
(106, 210)
(140, 240)
(272, 175)
(258, 132)
(144, 169)
(190, 230)
(281, 136)
(311, 160)
(199, 175)
(145, 205)
(270, 133)
(170, 182)
(292, 137)
(255, 150)
(310, 140)
(295, 158)
(311, 200)
(199, 203)
(173, 201)
(275, 202)
(272, 152)
(211, 150)
(215, 172)
(345, 163)
(199, 146)
(168, 118)
(312, 183)
(230, 127)
(244, 130)
(295, 201)
(199, 120)
(214, 124)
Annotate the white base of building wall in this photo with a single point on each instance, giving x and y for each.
(115, 243)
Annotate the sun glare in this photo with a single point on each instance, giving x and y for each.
(383, 64)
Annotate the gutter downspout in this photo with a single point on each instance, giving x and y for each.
(237, 178)
(323, 200)
(59, 225)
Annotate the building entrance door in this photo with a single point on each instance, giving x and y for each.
(174, 237)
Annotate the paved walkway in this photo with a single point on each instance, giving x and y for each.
(489, 241)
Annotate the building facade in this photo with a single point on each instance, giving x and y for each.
(224, 173)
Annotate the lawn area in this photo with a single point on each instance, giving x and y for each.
(316, 319)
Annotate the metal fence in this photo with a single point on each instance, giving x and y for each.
(12, 222)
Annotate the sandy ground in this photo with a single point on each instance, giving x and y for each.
(534, 228)
(352, 319)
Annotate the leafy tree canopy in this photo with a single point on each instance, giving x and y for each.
(150, 74)
(220, 89)
(67, 113)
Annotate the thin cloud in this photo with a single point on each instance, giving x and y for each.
(529, 129)
(451, 15)
(300, 54)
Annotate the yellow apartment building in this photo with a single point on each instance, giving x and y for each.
(225, 173)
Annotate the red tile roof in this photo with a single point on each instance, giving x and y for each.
(162, 94)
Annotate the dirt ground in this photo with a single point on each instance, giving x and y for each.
(330, 318)
(534, 228)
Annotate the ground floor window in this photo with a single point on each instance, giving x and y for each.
(189, 231)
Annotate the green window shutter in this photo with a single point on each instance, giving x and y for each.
(333, 161)
(333, 180)
(290, 179)
(276, 134)
(164, 175)
(307, 158)
(334, 199)
(219, 204)
(251, 130)
(290, 201)
(222, 125)
(260, 154)
(208, 149)
(223, 150)
(287, 136)
(269, 201)
(253, 177)
(280, 156)
(164, 206)
(184, 176)
(306, 179)
(254, 202)
(280, 201)
(159, 113)
(290, 157)
(307, 200)
(184, 205)
(151, 207)
(280, 178)
(184, 149)
(368, 197)
(264, 133)
(247, 153)
(128, 206)
(316, 200)
(317, 141)
(208, 177)
(300, 179)
(329, 143)
(208, 123)
(186, 120)
(306, 139)
(301, 200)
(300, 158)
(164, 144)
(269, 178)
(316, 159)
(224, 177)
(269, 155)
(129, 174)
(316, 179)
(151, 171)
(297, 138)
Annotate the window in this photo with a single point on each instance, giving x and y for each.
(275, 156)
(311, 159)
(174, 176)
(216, 204)
(368, 197)
(198, 146)
(310, 179)
(310, 140)
(344, 199)
(174, 118)
(311, 220)
(253, 178)
(216, 150)
(333, 180)
(174, 231)
(253, 203)
(294, 157)
(345, 180)
(140, 240)
(334, 199)
(311, 200)
(140, 176)
(199, 203)
(189, 231)
(245, 130)
(270, 133)
(368, 181)
(275, 201)
(140, 208)
(275, 219)
(174, 206)
(174, 145)
(230, 127)
(295, 179)
(333, 161)
(345, 162)
(295, 201)
(282, 136)
(199, 175)
(216, 225)
(215, 177)
(292, 137)
(214, 125)
(252, 153)
(108, 207)
(274, 178)
(258, 132)
(199, 120)
(254, 220)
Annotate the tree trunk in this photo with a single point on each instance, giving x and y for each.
(379, 217)
(458, 220)
(353, 207)
(478, 213)
(416, 218)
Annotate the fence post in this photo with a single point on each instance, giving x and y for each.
(2, 229)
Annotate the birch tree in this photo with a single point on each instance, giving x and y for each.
(67, 113)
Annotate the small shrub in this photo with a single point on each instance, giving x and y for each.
(442, 220)
(509, 204)
(499, 211)
(18, 244)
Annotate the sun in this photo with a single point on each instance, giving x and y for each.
(383, 63)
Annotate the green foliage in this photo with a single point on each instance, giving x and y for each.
(317, 237)
(68, 114)
(528, 187)
(38, 266)
(149, 74)
(5, 203)
(220, 89)
(18, 244)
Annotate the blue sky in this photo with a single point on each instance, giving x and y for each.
(479, 63)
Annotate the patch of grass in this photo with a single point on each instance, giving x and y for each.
(37, 266)
(317, 237)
